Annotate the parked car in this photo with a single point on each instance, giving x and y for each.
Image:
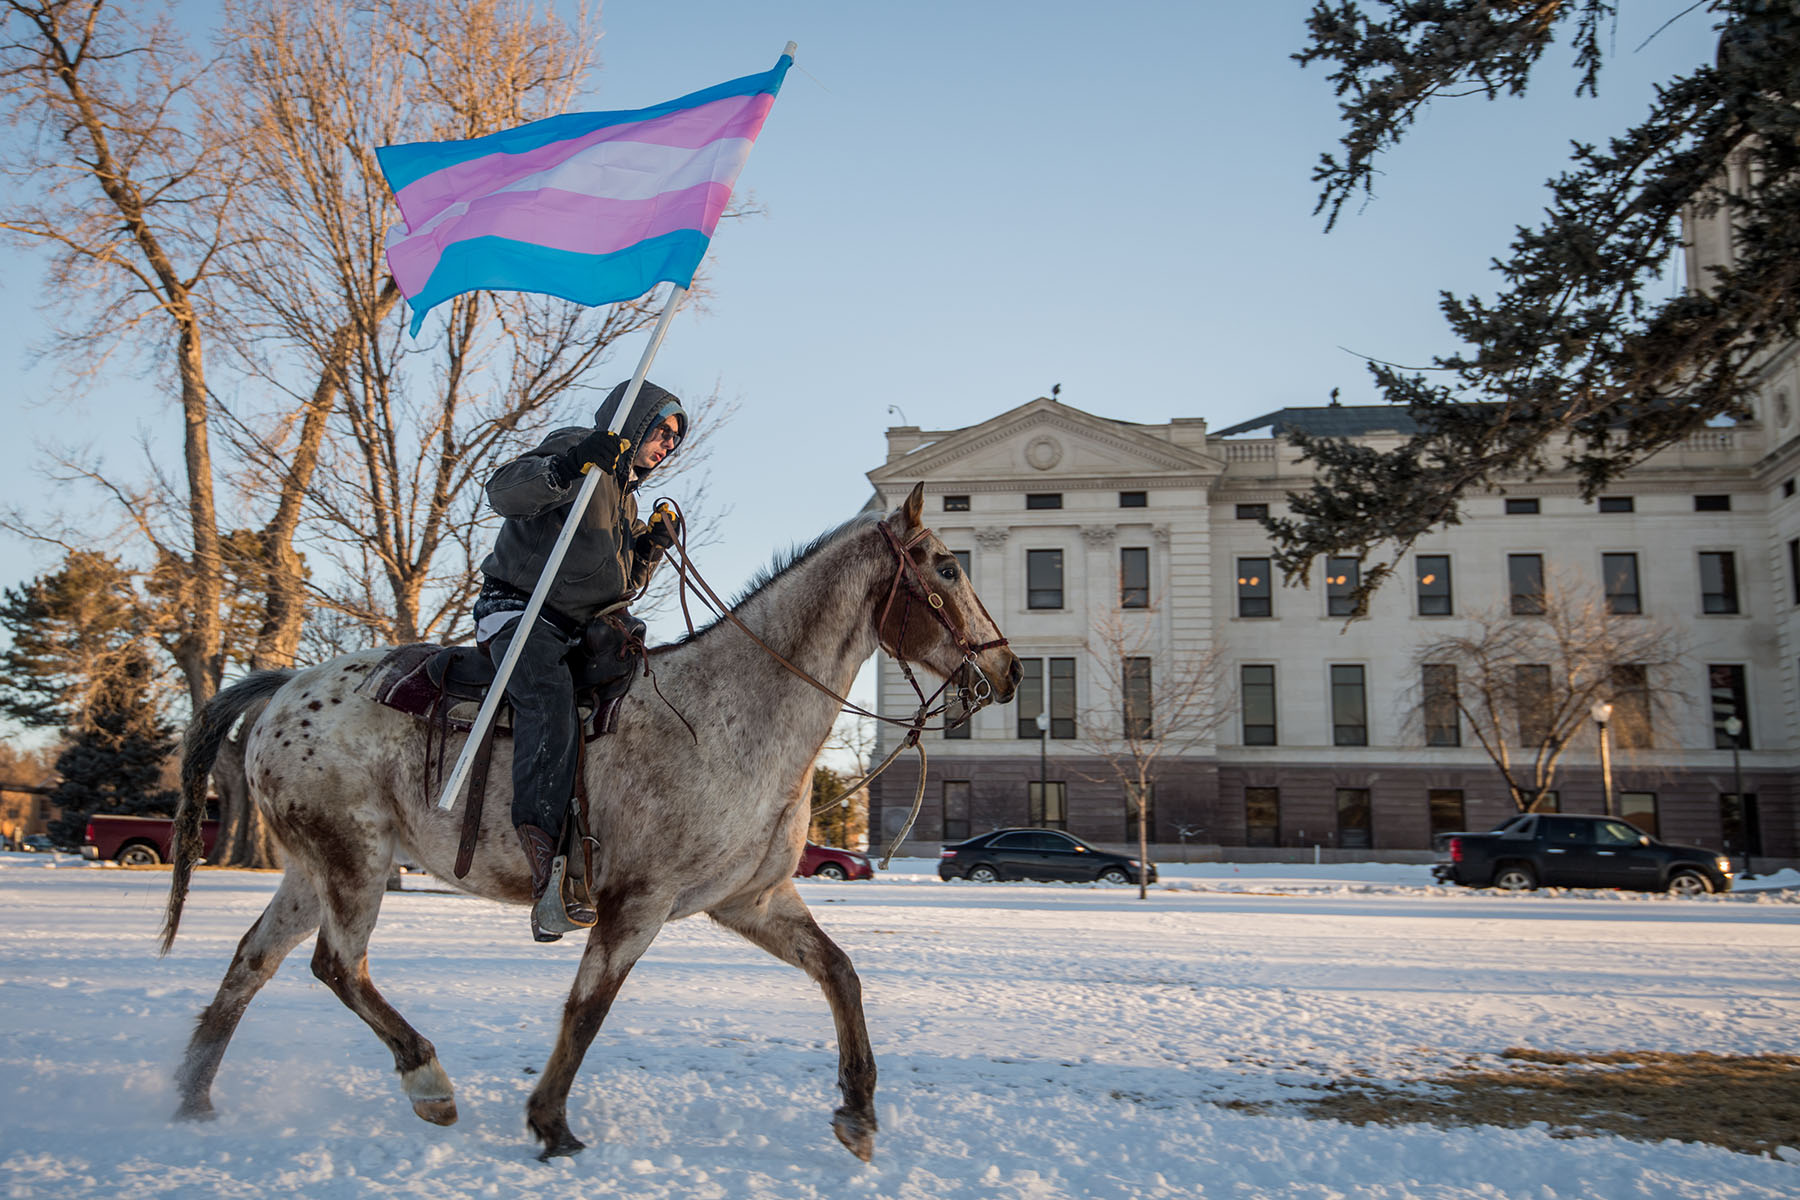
(1035, 854)
(37, 843)
(137, 841)
(828, 862)
(1569, 850)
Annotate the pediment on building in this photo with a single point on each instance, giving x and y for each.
(1045, 441)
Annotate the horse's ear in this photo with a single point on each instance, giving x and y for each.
(914, 508)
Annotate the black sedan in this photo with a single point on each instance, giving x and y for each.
(1035, 854)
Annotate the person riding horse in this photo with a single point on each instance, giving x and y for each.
(610, 560)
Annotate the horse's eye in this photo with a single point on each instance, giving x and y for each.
(948, 571)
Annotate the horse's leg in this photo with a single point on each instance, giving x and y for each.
(352, 893)
(785, 928)
(625, 930)
(291, 915)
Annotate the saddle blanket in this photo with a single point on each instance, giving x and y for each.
(404, 682)
(445, 686)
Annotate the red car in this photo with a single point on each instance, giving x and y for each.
(828, 862)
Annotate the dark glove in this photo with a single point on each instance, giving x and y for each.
(600, 448)
(664, 527)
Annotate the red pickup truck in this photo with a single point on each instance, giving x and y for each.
(137, 841)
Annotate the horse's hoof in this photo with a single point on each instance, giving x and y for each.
(558, 1141)
(438, 1112)
(857, 1133)
(565, 1146)
(195, 1110)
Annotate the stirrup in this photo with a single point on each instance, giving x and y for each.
(551, 914)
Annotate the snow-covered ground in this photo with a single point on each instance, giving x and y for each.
(1034, 1041)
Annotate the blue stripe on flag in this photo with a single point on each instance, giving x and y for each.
(410, 161)
(502, 263)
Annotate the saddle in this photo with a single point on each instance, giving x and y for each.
(444, 686)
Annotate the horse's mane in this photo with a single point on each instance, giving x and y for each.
(783, 562)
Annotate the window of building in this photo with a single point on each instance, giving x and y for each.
(1434, 584)
(1714, 503)
(1043, 579)
(957, 716)
(1614, 504)
(1062, 698)
(1794, 569)
(1134, 500)
(966, 560)
(1131, 812)
(1255, 595)
(1349, 706)
(1739, 828)
(1640, 809)
(1342, 577)
(1787, 487)
(1531, 702)
(1630, 725)
(1029, 700)
(1134, 577)
(1262, 816)
(1525, 575)
(1048, 803)
(1252, 512)
(1548, 802)
(1620, 572)
(1718, 582)
(1043, 499)
(1730, 698)
(1521, 506)
(956, 810)
(1355, 827)
(956, 504)
(1445, 806)
(1443, 723)
(1138, 719)
(1257, 687)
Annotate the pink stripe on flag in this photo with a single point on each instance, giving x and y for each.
(561, 221)
(691, 128)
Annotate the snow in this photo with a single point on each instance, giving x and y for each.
(1034, 1040)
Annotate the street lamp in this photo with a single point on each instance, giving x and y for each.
(1735, 728)
(1043, 724)
(1602, 713)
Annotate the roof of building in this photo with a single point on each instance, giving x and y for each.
(1333, 420)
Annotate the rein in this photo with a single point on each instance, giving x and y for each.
(905, 567)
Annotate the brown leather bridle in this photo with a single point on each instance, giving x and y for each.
(906, 566)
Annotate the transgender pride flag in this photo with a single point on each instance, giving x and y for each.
(592, 207)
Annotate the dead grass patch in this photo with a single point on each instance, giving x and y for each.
(1746, 1103)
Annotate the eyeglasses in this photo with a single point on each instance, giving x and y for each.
(662, 433)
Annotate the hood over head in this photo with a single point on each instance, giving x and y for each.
(652, 406)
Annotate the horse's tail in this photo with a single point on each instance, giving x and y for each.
(199, 750)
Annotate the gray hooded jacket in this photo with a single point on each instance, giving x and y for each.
(602, 565)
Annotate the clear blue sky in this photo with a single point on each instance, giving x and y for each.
(969, 202)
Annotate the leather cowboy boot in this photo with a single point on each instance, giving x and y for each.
(551, 914)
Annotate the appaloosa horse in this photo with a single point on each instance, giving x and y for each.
(707, 822)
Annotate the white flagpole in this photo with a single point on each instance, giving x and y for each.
(590, 480)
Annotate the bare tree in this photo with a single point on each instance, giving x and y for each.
(1523, 682)
(843, 760)
(1146, 708)
(129, 192)
(410, 430)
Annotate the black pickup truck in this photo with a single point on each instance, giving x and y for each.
(1577, 851)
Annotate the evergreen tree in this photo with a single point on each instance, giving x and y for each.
(1580, 361)
(83, 659)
